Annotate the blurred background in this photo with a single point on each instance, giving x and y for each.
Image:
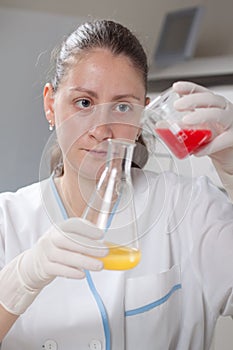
(29, 30)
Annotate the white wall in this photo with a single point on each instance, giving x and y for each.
(26, 39)
(146, 18)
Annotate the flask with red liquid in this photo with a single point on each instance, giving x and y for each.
(162, 120)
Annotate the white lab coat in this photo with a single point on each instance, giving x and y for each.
(171, 300)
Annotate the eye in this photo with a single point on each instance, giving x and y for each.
(83, 103)
(123, 107)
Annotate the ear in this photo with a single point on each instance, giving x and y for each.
(48, 95)
(147, 100)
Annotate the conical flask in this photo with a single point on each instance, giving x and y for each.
(111, 207)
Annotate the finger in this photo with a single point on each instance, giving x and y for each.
(79, 244)
(200, 100)
(187, 87)
(66, 271)
(219, 143)
(215, 116)
(56, 269)
(76, 261)
(82, 227)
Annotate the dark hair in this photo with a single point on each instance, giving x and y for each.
(99, 34)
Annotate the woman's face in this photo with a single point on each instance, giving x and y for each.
(100, 97)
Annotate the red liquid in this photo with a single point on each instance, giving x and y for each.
(185, 141)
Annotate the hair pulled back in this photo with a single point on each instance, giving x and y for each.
(100, 34)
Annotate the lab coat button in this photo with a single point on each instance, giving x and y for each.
(50, 345)
(95, 345)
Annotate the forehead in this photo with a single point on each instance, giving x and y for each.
(101, 64)
(100, 54)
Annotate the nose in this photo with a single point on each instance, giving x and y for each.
(101, 132)
(101, 128)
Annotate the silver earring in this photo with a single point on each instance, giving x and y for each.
(137, 137)
(51, 125)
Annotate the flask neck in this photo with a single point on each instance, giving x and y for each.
(119, 156)
(113, 185)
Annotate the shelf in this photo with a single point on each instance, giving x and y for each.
(207, 71)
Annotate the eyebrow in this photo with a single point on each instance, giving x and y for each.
(81, 89)
(123, 96)
(94, 94)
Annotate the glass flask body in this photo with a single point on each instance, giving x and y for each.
(111, 208)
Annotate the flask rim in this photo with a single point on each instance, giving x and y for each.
(123, 142)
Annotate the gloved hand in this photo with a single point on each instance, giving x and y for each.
(203, 106)
(65, 250)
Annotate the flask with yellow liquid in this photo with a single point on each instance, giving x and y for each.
(111, 207)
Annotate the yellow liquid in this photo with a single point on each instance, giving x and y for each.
(121, 258)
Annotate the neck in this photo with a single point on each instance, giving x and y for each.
(75, 192)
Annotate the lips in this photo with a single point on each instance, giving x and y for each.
(97, 153)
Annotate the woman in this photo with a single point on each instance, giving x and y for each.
(58, 287)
